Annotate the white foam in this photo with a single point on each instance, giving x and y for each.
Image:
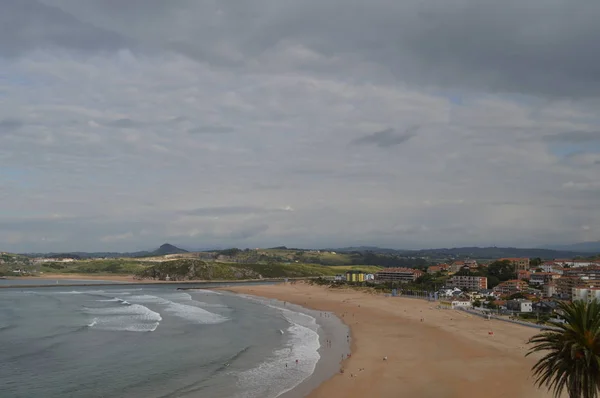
(272, 378)
(133, 318)
(147, 299)
(79, 292)
(195, 314)
(206, 291)
(113, 300)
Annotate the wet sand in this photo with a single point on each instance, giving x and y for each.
(430, 352)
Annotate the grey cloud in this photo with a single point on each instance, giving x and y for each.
(575, 136)
(229, 211)
(123, 123)
(420, 44)
(10, 125)
(211, 130)
(29, 24)
(385, 138)
(247, 232)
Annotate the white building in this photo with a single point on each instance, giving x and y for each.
(461, 304)
(588, 294)
(519, 305)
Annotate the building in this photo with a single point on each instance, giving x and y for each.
(458, 303)
(469, 282)
(576, 263)
(434, 269)
(542, 278)
(588, 294)
(552, 267)
(456, 266)
(565, 285)
(355, 276)
(577, 278)
(398, 274)
(523, 275)
(510, 287)
(471, 264)
(520, 305)
(549, 289)
(520, 263)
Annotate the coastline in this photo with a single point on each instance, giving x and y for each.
(330, 328)
(431, 352)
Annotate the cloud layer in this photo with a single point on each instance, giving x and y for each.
(124, 125)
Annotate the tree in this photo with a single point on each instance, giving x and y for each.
(535, 262)
(572, 354)
(503, 270)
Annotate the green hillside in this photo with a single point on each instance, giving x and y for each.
(188, 269)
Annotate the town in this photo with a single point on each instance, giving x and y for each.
(517, 288)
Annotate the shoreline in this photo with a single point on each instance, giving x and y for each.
(431, 352)
(330, 327)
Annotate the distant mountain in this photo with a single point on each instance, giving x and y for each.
(494, 253)
(584, 247)
(468, 252)
(167, 248)
(362, 249)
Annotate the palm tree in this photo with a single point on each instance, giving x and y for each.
(572, 352)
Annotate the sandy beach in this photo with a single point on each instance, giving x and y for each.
(431, 352)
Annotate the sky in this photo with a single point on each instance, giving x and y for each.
(314, 123)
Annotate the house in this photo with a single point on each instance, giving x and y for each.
(461, 303)
(542, 278)
(523, 274)
(519, 305)
(552, 267)
(434, 269)
(398, 274)
(511, 287)
(545, 307)
(456, 266)
(370, 277)
(469, 282)
(448, 292)
(471, 264)
(355, 276)
(520, 263)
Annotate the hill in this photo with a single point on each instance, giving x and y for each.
(167, 248)
(584, 247)
(490, 253)
(191, 269)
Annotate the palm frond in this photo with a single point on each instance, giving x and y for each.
(572, 354)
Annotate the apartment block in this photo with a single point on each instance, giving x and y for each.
(469, 282)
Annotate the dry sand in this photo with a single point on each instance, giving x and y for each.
(448, 354)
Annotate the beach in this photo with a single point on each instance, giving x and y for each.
(430, 352)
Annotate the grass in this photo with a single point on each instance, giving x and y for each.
(185, 269)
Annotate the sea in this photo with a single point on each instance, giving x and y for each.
(151, 341)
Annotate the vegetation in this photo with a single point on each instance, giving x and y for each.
(496, 272)
(111, 266)
(187, 269)
(572, 354)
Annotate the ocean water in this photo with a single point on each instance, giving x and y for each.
(111, 341)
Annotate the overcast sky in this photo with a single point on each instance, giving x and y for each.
(312, 123)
